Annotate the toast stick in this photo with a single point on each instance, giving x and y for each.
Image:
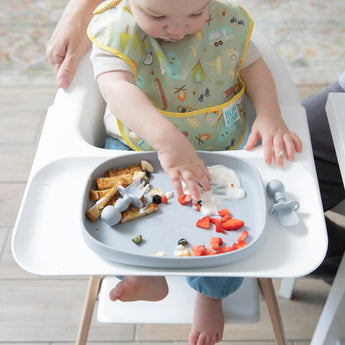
(122, 171)
(95, 211)
(135, 213)
(109, 182)
(98, 194)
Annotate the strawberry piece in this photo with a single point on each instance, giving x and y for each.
(164, 199)
(224, 250)
(219, 228)
(216, 242)
(216, 221)
(199, 250)
(243, 236)
(242, 244)
(225, 218)
(224, 212)
(239, 245)
(233, 224)
(204, 222)
(185, 199)
(210, 252)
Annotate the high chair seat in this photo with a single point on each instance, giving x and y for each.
(240, 307)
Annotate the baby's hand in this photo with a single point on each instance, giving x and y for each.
(181, 162)
(277, 140)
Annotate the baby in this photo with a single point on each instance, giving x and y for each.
(175, 73)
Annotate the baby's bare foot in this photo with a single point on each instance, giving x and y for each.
(208, 321)
(135, 288)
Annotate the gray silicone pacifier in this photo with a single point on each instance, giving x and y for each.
(285, 210)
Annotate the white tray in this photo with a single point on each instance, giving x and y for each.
(51, 243)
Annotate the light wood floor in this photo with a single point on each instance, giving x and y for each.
(44, 310)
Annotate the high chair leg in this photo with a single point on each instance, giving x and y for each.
(267, 289)
(89, 305)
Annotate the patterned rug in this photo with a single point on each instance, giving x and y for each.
(309, 35)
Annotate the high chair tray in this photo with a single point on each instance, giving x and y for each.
(162, 230)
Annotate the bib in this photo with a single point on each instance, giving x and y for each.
(194, 82)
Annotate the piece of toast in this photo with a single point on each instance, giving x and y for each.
(107, 193)
(123, 171)
(135, 213)
(95, 211)
(97, 194)
(108, 182)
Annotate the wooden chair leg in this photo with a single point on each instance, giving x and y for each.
(268, 292)
(89, 305)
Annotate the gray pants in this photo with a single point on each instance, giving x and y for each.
(329, 177)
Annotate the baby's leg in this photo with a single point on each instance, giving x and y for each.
(135, 288)
(208, 319)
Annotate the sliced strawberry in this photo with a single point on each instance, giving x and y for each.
(243, 236)
(210, 252)
(233, 224)
(239, 245)
(220, 229)
(225, 218)
(164, 199)
(185, 199)
(224, 212)
(199, 250)
(216, 221)
(242, 244)
(224, 250)
(204, 222)
(216, 242)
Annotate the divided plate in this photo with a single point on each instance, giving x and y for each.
(162, 230)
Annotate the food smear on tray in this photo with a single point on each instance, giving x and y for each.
(225, 184)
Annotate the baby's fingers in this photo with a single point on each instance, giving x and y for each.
(196, 183)
(278, 148)
(252, 140)
(297, 142)
(292, 144)
(268, 148)
(176, 182)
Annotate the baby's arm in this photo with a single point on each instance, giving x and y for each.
(269, 125)
(176, 154)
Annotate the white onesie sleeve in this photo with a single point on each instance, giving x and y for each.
(252, 55)
(104, 61)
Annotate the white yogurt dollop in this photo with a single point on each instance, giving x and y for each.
(225, 184)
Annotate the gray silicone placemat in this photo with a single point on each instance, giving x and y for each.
(162, 230)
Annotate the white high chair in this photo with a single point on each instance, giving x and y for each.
(242, 306)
